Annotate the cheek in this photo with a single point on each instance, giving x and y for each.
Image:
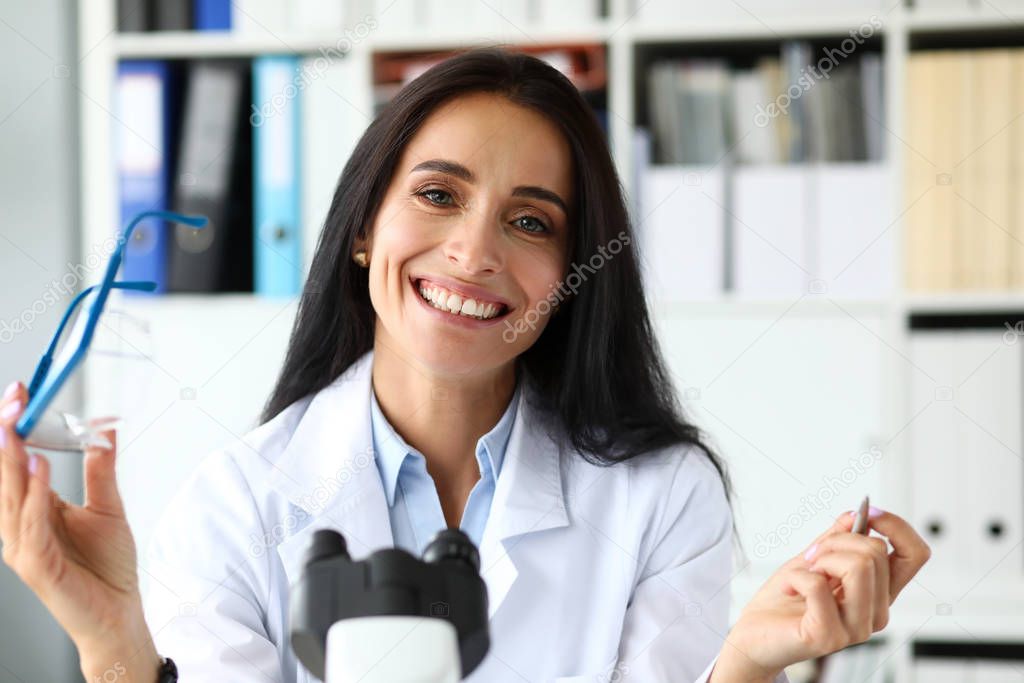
(540, 275)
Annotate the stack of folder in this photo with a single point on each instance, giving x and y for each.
(965, 170)
(256, 146)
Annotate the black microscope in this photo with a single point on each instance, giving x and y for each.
(392, 617)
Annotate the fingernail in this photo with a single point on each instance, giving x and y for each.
(11, 410)
(810, 552)
(33, 463)
(11, 390)
(874, 512)
(3, 438)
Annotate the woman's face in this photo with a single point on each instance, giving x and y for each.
(471, 235)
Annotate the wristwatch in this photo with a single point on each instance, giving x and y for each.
(168, 672)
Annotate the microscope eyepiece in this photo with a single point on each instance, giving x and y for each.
(452, 545)
(326, 543)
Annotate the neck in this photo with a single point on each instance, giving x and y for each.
(441, 416)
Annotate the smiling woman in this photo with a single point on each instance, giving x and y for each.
(483, 199)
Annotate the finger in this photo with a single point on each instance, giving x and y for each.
(843, 524)
(878, 551)
(101, 492)
(15, 391)
(35, 541)
(857, 573)
(822, 615)
(13, 473)
(909, 550)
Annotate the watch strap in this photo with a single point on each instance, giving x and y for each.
(168, 672)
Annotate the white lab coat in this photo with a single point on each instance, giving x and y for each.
(597, 574)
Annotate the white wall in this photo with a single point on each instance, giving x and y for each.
(38, 193)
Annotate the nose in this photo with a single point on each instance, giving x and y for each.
(474, 245)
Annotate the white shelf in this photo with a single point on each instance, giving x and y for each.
(966, 302)
(747, 28)
(986, 18)
(193, 44)
(599, 32)
(807, 305)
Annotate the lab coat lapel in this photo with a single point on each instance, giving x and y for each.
(328, 472)
(528, 499)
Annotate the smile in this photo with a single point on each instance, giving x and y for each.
(452, 302)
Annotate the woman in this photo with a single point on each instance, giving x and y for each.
(472, 349)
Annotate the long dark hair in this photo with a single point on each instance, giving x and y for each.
(596, 366)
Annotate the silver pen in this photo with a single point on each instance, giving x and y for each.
(860, 524)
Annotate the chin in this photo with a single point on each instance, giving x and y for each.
(459, 360)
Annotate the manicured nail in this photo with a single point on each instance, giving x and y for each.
(11, 410)
(810, 552)
(11, 390)
(874, 512)
(33, 463)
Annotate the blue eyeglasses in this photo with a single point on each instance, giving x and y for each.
(52, 373)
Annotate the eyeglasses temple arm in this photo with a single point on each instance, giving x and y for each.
(44, 362)
(50, 385)
(118, 256)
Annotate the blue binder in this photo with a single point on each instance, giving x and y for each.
(143, 155)
(275, 120)
(212, 15)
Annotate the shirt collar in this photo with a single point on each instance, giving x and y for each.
(391, 450)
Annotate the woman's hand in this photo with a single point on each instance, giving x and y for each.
(834, 594)
(79, 561)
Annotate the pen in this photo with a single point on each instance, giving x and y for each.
(860, 524)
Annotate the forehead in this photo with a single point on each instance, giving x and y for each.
(499, 141)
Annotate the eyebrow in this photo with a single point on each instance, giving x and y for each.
(453, 168)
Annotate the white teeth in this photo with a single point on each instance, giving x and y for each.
(454, 303)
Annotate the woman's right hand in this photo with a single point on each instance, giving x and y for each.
(835, 594)
(79, 560)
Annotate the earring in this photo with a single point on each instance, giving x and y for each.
(360, 258)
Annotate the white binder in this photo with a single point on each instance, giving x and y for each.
(853, 231)
(988, 413)
(937, 501)
(681, 231)
(997, 672)
(966, 454)
(941, 670)
(771, 247)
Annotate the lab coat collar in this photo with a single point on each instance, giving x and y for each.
(328, 470)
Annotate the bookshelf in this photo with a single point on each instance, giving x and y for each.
(253, 329)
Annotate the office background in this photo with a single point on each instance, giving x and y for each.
(828, 201)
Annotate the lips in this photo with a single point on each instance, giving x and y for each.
(459, 302)
(463, 301)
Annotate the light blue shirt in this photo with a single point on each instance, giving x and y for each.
(413, 503)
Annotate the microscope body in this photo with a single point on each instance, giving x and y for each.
(393, 649)
(391, 617)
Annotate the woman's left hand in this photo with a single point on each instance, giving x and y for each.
(835, 593)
